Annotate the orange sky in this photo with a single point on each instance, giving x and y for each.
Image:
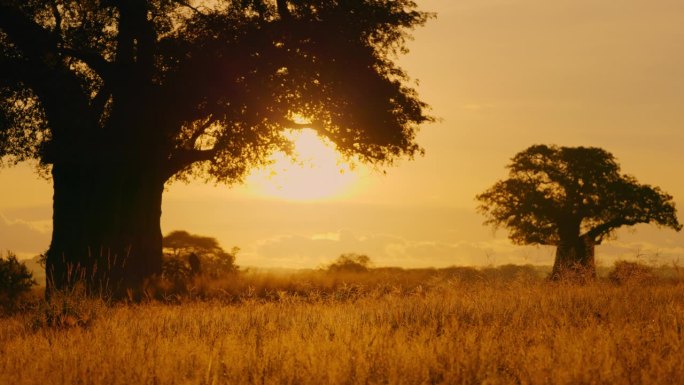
(502, 75)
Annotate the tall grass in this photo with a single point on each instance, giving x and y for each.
(399, 327)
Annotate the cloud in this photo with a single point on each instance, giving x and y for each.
(22, 237)
(319, 249)
(645, 251)
(387, 250)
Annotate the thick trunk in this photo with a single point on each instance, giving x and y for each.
(106, 231)
(575, 259)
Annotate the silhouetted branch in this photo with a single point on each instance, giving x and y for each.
(100, 100)
(182, 158)
(289, 123)
(29, 37)
(13, 68)
(58, 19)
(597, 233)
(136, 39)
(200, 131)
(96, 62)
(283, 10)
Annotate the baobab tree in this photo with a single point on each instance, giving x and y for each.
(571, 198)
(117, 97)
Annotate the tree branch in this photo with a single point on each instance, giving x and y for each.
(100, 100)
(200, 131)
(599, 231)
(283, 10)
(182, 158)
(289, 123)
(93, 60)
(137, 38)
(58, 20)
(30, 38)
(13, 69)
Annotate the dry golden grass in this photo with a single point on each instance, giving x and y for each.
(366, 329)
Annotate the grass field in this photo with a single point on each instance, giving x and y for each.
(382, 327)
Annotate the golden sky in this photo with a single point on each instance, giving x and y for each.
(501, 75)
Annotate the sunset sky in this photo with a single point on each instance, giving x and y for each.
(500, 75)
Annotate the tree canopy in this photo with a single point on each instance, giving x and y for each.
(211, 85)
(181, 242)
(551, 187)
(198, 253)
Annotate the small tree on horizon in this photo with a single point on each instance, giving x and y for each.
(182, 250)
(350, 263)
(571, 198)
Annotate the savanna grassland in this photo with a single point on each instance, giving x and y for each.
(379, 327)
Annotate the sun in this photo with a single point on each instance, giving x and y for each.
(318, 173)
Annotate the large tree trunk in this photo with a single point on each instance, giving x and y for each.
(106, 228)
(575, 259)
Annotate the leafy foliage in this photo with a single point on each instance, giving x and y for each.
(15, 280)
(559, 192)
(211, 87)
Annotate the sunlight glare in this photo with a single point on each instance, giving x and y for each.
(318, 173)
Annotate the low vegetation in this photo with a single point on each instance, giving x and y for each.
(381, 326)
(15, 282)
(190, 258)
(350, 263)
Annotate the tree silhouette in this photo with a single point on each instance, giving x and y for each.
(350, 263)
(120, 96)
(197, 254)
(571, 198)
(15, 280)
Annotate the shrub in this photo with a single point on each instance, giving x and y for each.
(15, 281)
(631, 272)
(350, 263)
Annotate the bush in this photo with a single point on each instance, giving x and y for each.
(631, 272)
(350, 263)
(15, 281)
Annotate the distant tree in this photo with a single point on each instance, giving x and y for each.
(119, 97)
(350, 263)
(189, 254)
(15, 279)
(571, 198)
